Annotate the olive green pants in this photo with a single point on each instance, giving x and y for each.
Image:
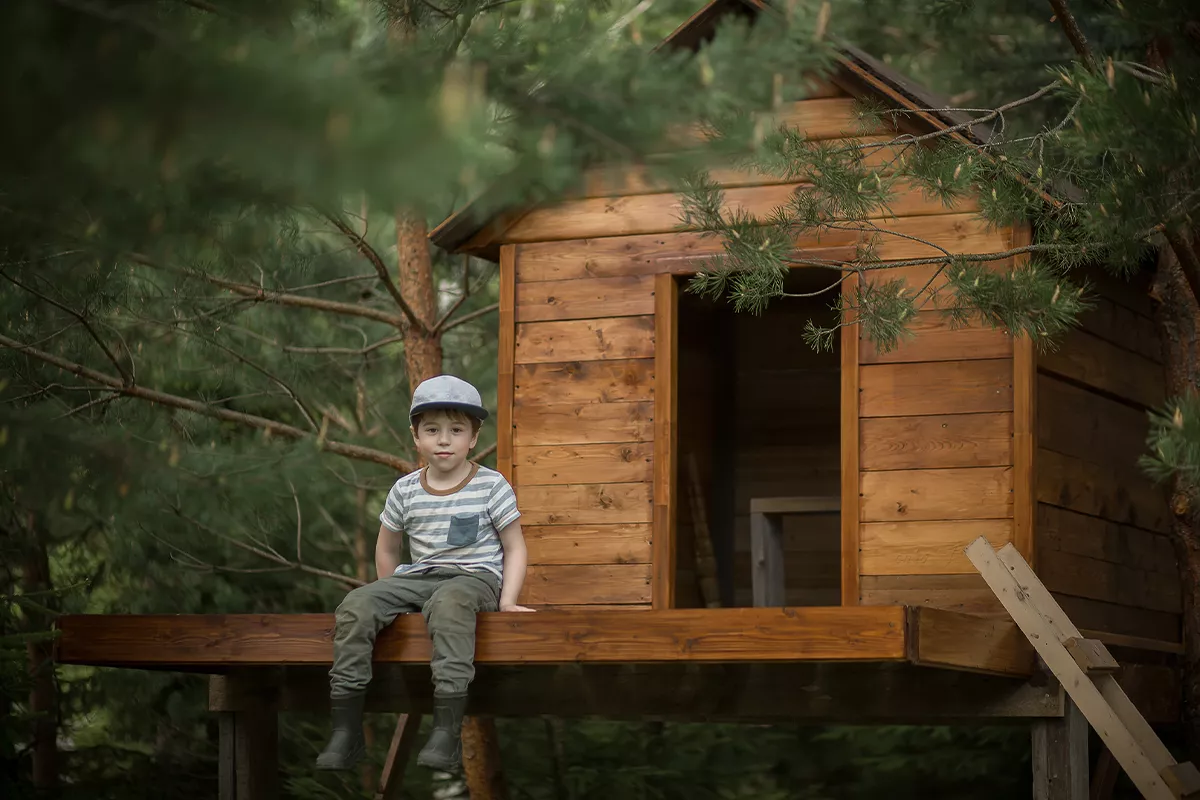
(448, 598)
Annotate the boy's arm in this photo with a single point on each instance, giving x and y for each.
(387, 551)
(515, 560)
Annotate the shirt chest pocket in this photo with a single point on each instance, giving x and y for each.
(464, 530)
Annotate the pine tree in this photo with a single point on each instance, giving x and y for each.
(214, 276)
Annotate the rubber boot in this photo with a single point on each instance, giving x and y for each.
(443, 751)
(346, 744)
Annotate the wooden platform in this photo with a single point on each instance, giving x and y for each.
(222, 643)
(864, 664)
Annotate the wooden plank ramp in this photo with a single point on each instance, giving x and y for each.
(1086, 671)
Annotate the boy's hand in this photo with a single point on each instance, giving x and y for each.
(515, 607)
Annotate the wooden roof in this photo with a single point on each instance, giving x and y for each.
(858, 73)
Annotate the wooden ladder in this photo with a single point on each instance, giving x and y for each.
(1085, 669)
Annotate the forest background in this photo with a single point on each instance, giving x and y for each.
(216, 294)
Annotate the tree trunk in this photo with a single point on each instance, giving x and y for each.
(423, 360)
(43, 694)
(481, 760)
(422, 346)
(1178, 326)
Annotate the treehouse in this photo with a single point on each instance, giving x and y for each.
(724, 523)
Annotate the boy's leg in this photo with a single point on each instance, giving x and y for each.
(358, 619)
(450, 617)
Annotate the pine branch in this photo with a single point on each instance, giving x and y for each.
(988, 117)
(369, 253)
(344, 351)
(267, 554)
(99, 401)
(468, 317)
(1073, 32)
(462, 297)
(352, 451)
(125, 376)
(280, 382)
(259, 294)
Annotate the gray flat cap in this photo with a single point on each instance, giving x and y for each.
(447, 391)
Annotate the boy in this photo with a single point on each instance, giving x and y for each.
(468, 555)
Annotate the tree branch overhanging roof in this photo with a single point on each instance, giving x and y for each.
(858, 73)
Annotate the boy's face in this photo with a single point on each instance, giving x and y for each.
(442, 441)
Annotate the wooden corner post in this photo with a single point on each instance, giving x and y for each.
(1024, 450)
(505, 356)
(666, 349)
(850, 334)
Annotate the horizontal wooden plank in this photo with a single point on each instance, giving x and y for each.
(945, 638)
(623, 180)
(936, 494)
(1094, 537)
(796, 395)
(817, 536)
(967, 593)
(587, 298)
(581, 584)
(1103, 580)
(802, 571)
(658, 213)
(585, 504)
(1123, 327)
(1094, 489)
(582, 423)
(685, 251)
(1132, 293)
(1134, 642)
(1126, 620)
(813, 504)
(784, 471)
(624, 462)
(907, 237)
(1077, 422)
(648, 254)
(938, 387)
(820, 119)
(588, 544)
(1094, 362)
(932, 547)
(944, 440)
(793, 596)
(223, 642)
(626, 380)
(585, 340)
(932, 336)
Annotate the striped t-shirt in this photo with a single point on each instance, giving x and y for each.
(456, 527)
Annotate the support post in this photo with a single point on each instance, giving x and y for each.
(249, 744)
(391, 780)
(1060, 756)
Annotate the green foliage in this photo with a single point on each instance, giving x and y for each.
(165, 155)
(1174, 444)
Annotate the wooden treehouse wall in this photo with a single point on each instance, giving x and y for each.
(932, 445)
(1102, 525)
(589, 346)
